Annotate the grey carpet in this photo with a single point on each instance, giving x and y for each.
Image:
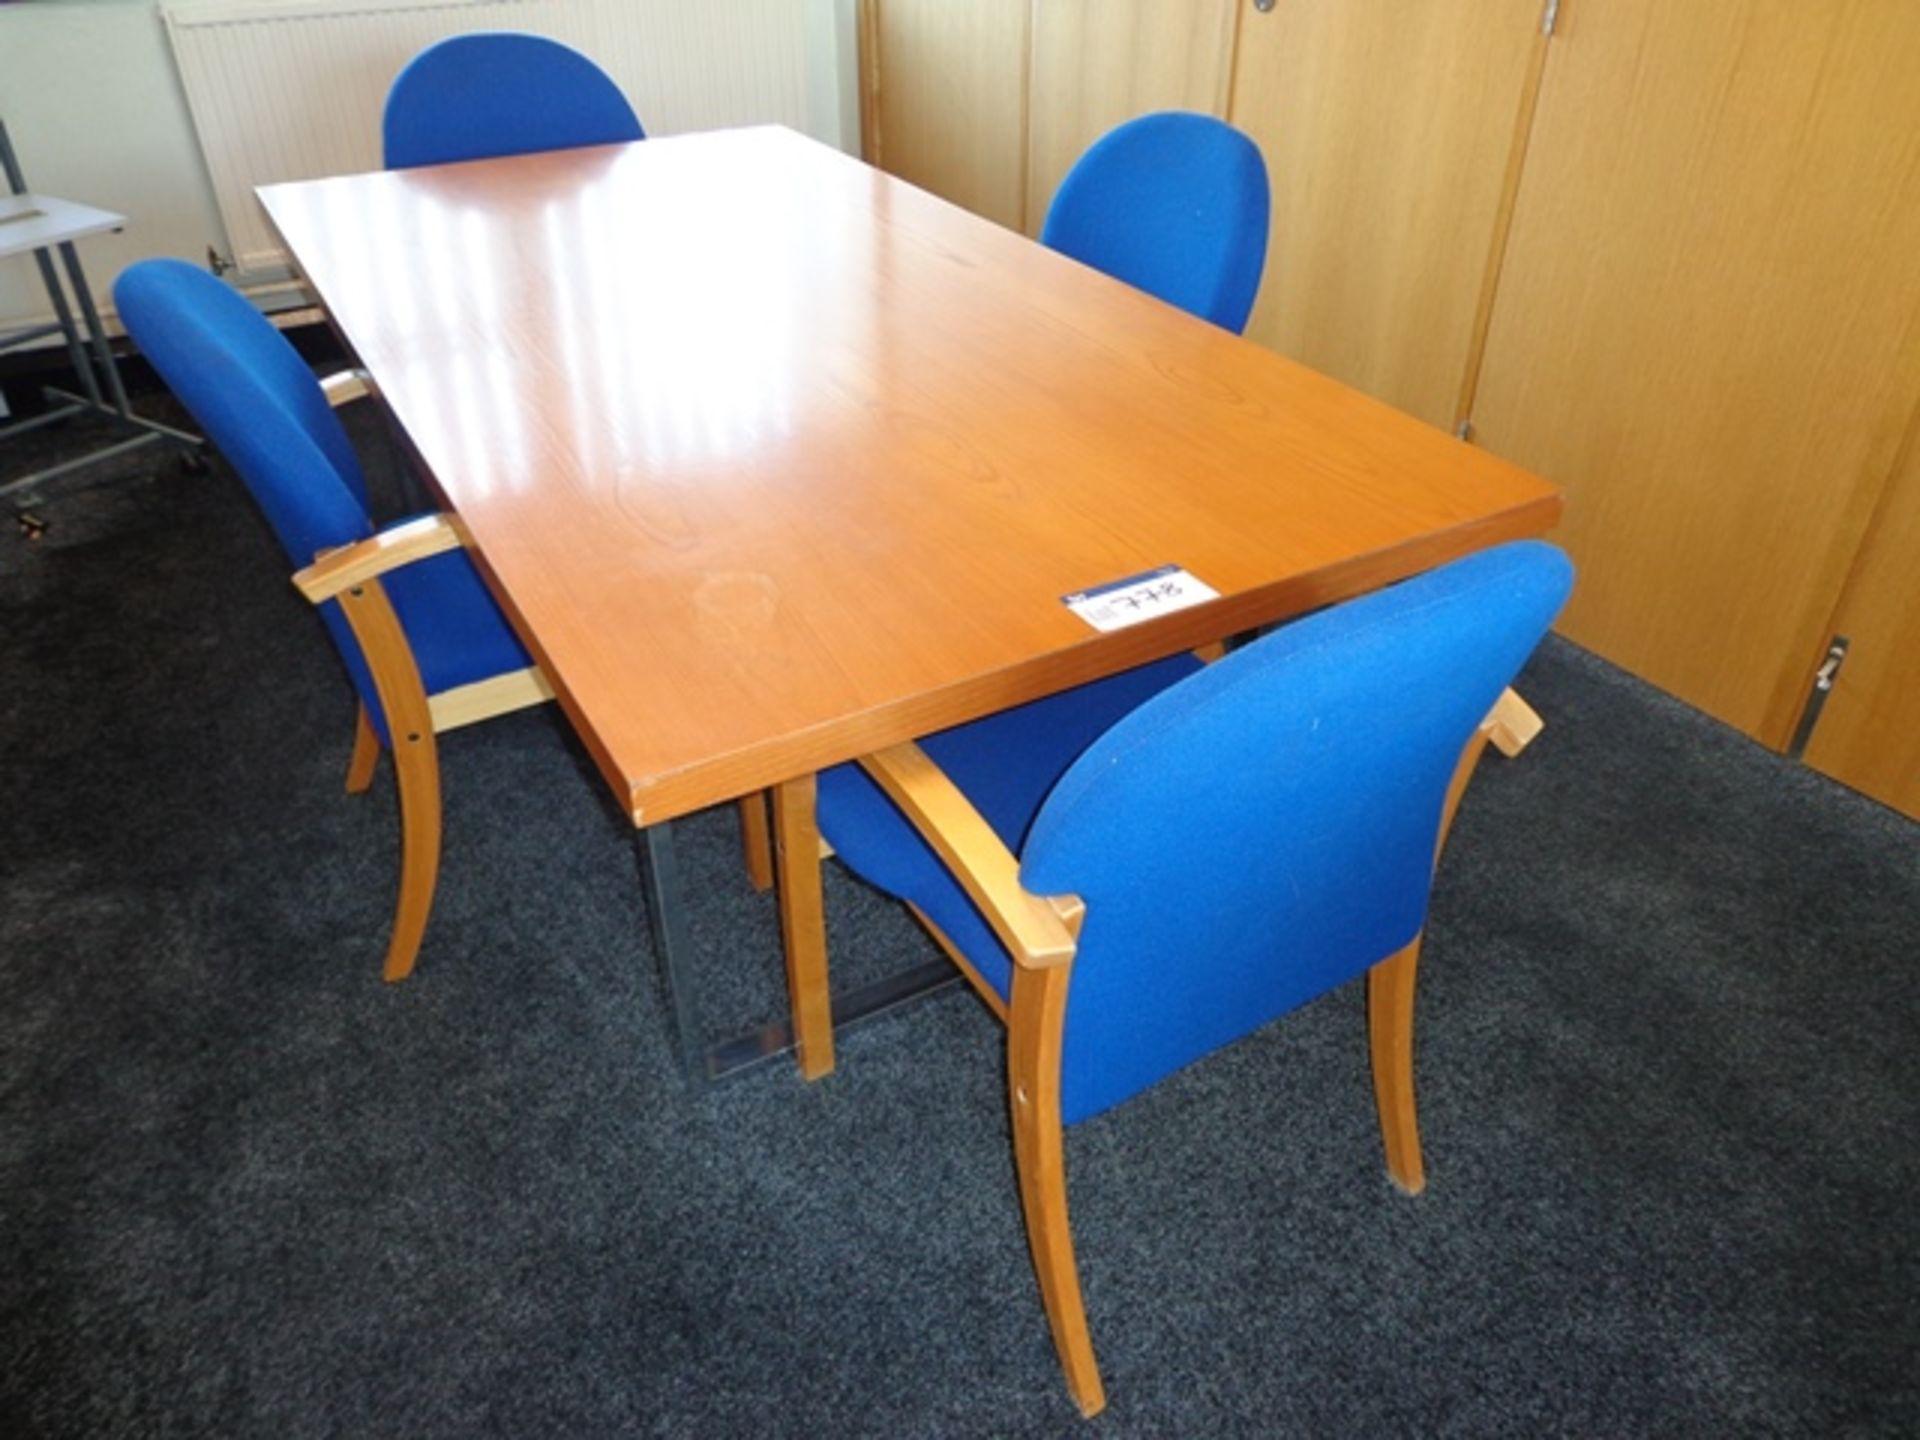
(1667, 1064)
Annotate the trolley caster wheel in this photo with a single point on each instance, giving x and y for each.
(31, 525)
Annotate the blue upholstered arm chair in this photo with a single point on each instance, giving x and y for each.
(1139, 871)
(425, 646)
(1179, 205)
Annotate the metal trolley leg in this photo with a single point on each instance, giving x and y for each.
(101, 389)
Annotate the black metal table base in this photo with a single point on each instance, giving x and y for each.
(702, 1062)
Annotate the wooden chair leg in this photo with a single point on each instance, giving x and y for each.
(1390, 1040)
(1033, 1081)
(366, 755)
(416, 765)
(1463, 769)
(756, 840)
(803, 926)
(1390, 993)
(1512, 724)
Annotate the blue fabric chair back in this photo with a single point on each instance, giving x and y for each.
(1175, 204)
(1265, 830)
(255, 398)
(261, 407)
(501, 93)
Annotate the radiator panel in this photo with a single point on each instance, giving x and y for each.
(293, 91)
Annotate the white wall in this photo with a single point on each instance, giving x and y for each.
(91, 98)
(89, 95)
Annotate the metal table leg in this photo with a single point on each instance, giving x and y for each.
(673, 940)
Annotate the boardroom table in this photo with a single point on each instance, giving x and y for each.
(774, 460)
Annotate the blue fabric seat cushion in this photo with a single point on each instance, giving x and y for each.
(1005, 764)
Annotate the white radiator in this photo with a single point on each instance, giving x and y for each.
(292, 89)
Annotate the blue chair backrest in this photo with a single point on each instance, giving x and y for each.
(255, 398)
(469, 97)
(1265, 830)
(261, 407)
(1175, 204)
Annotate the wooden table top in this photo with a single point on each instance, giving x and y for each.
(775, 460)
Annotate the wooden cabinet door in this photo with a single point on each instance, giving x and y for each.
(1098, 62)
(944, 103)
(1388, 128)
(1707, 327)
(1868, 735)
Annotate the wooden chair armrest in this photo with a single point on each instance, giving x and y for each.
(350, 565)
(347, 385)
(1039, 931)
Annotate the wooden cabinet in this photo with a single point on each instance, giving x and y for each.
(1390, 132)
(1098, 62)
(1664, 257)
(989, 102)
(1705, 326)
(1869, 731)
(944, 101)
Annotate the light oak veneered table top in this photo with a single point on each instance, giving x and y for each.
(775, 460)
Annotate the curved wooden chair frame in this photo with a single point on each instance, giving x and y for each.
(351, 575)
(1041, 933)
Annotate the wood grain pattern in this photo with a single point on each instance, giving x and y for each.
(350, 565)
(1390, 982)
(366, 754)
(1029, 925)
(803, 924)
(946, 100)
(1869, 733)
(756, 841)
(804, 473)
(867, 22)
(484, 699)
(416, 765)
(1390, 986)
(1098, 62)
(1706, 325)
(1037, 1016)
(1502, 232)
(1387, 129)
